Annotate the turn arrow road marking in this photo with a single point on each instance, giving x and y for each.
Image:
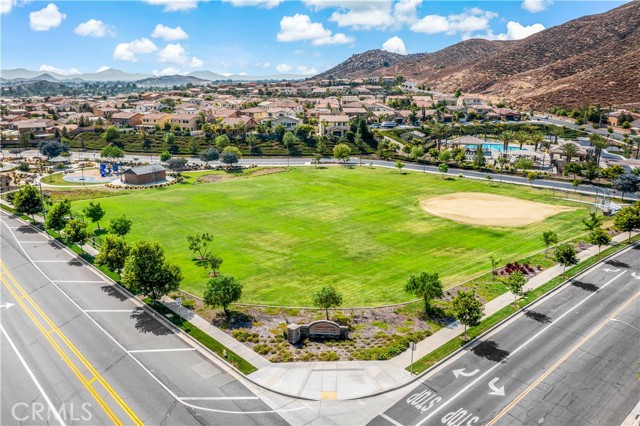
(6, 305)
(499, 391)
(461, 372)
(636, 276)
(611, 270)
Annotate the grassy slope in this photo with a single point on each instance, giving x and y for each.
(286, 234)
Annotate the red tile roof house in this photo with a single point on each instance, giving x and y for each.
(126, 119)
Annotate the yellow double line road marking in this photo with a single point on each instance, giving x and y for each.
(32, 309)
(560, 361)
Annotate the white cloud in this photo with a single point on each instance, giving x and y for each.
(535, 6)
(128, 51)
(298, 52)
(263, 64)
(93, 28)
(175, 5)
(515, 31)
(168, 33)
(470, 20)
(196, 63)
(299, 28)
(47, 18)
(103, 68)
(395, 45)
(173, 54)
(365, 15)
(7, 5)
(306, 70)
(283, 67)
(51, 68)
(267, 4)
(167, 71)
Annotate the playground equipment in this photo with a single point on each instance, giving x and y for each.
(107, 168)
(604, 202)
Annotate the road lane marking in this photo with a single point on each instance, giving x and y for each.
(137, 361)
(35, 242)
(390, 420)
(55, 330)
(518, 349)
(141, 351)
(461, 372)
(80, 281)
(560, 361)
(53, 261)
(109, 310)
(52, 408)
(217, 398)
(499, 391)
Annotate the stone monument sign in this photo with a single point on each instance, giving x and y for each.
(316, 330)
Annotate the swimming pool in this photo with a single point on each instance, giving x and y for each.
(493, 147)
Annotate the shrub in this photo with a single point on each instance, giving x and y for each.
(329, 356)
(189, 303)
(243, 335)
(262, 349)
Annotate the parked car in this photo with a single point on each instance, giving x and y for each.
(388, 125)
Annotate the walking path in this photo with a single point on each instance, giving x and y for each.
(348, 379)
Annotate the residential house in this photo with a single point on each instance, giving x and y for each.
(126, 119)
(152, 120)
(335, 125)
(185, 122)
(287, 121)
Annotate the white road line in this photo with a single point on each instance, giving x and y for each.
(137, 361)
(35, 242)
(390, 420)
(140, 351)
(53, 261)
(217, 398)
(52, 408)
(80, 281)
(108, 310)
(515, 351)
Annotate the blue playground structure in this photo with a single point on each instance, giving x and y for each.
(107, 168)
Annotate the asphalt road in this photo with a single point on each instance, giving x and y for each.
(73, 344)
(564, 362)
(601, 131)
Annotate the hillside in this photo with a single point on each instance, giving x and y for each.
(365, 63)
(171, 80)
(590, 60)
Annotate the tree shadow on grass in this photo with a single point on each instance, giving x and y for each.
(489, 350)
(537, 316)
(145, 323)
(236, 320)
(591, 288)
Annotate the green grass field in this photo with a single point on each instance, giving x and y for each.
(286, 234)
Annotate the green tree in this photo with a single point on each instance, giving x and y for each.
(111, 151)
(327, 297)
(531, 177)
(199, 243)
(399, 165)
(27, 200)
(591, 171)
(443, 168)
(288, 140)
(569, 149)
(624, 183)
(494, 264)
(113, 253)
(599, 237)
(425, 285)
(279, 130)
(599, 143)
(147, 271)
(210, 261)
(342, 152)
(467, 308)
(210, 154)
(75, 232)
(478, 158)
(94, 212)
(221, 142)
(110, 135)
(592, 222)
(515, 283)
(229, 158)
(549, 238)
(565, 255)
(58, 215)
(628, 219)
(193, 147)
(169, 138)
(52, 149)
(505, 137)
(165, 156)
(120, 225)
(222, 291)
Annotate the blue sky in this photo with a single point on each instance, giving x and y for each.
(255, 37)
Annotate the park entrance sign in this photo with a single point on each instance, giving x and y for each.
(316, 330)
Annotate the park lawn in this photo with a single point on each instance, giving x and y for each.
(58, 180)
(285, 235)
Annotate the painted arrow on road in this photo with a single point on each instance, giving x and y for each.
(461, 372)
(6, 305)
(611, 270)
(499, 391)
(636, 276)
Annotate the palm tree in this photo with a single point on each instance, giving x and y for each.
(556, 131)
(439, 131)
(521, 137)
(536, 139)
(599, 143)
(505, 137)
(359, 143)
(570, 150)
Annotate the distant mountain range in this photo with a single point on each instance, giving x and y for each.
(587, 61)
(200, 77)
